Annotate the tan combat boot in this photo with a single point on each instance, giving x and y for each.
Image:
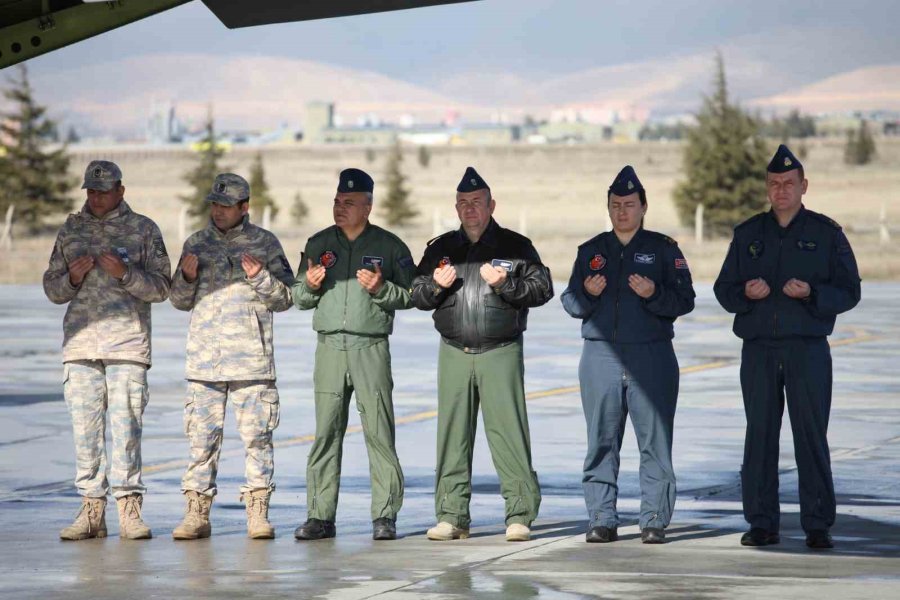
(196, 517)
(131, 525)
(257, 504)
(90, 522)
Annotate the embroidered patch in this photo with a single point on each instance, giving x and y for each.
(159, 248)
(444, 262)
(406, 262)
(505, 264)
(371, 261)
(284, 263)
(123, 254)
(645, 259)
(597, 262)
(680, 263)
(328, 259)
(755, 249)
(809, 246)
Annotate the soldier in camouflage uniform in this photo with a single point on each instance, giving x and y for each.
(233, 275)
(109, 264)
(355, 275)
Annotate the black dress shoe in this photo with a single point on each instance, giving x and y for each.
(757, 536)
(384, 529)
(602, 535)
(315, 529)
(653, 535)
(818, 539)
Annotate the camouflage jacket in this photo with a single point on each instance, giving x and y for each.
(230, 337)
(109, 319)
(342, 304)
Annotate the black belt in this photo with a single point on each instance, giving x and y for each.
(478, 349)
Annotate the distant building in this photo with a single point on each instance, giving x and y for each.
(163, 126)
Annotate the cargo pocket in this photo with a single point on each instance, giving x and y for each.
(138, 394)
(271, 408)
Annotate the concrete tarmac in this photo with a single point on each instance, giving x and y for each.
(702, 559)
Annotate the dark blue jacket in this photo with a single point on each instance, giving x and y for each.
(812, 248)
(619, 314)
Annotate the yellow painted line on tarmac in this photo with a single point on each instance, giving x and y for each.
(859, 336)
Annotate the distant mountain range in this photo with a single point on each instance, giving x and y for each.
(261, 92)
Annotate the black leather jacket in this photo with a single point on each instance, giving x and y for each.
(470, 314)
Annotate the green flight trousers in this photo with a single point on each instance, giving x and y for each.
(338, 373)
(493, 379)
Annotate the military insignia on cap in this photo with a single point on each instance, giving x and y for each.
(350, 183)
(473, 181)
(597, 262)
(787, 161)
(630, 185)
(97, 172)
(221, 187)
(327, 259)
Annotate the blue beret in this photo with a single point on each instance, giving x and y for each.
(626, 182)
(471, 182)
(783, 161)
(355, 180)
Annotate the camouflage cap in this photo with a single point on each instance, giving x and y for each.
(229, 189)
(101, 175)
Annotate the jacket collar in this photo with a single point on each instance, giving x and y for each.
(232, 233)
(120, 211)
(488, 237)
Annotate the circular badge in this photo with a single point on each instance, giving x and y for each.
(328, 259)
(597, 262)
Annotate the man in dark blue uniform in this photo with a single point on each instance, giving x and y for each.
(628, 286)
(788, 273)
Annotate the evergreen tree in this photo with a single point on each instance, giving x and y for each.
(395, 206)
(260, 197)
(725, 163)
(860, 146)
(299, 210)
(201, 177)
(35, 178)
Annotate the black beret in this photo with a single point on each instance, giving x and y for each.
(626, 182)
(783, 161)
(471, 182)
(355, 180)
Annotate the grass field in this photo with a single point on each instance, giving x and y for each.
(556, 194)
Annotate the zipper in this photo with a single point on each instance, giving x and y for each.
(618, 289)
(347, 289)
(777, 279)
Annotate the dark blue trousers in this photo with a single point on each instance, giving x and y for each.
(618, 380)
(801, 367)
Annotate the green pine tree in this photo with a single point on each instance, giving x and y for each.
(260, 197)
(299, 210)
(860, 146)
(395, 206)
(35, 178)
(201, 177)
(724, 163)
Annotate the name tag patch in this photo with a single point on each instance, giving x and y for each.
(371, 261)
(809, 246)
(645, 259)
(505, 264)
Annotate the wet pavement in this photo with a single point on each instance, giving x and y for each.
(703, 558)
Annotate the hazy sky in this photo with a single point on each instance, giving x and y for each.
(532, 39)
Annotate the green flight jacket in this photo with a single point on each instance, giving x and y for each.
(342, 305)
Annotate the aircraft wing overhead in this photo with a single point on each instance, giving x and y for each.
(246, 13)
(29, 28)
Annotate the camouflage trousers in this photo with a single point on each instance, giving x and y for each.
(257, 412)
(93, 389)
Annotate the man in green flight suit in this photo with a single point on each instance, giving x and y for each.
(355, 275)
(480, 280)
